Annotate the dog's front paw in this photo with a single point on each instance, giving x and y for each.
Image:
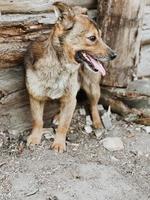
(33, 139)
(97, 124)
(59, 145)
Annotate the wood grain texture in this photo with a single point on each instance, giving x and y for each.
(18, 30)
(121, 24)
(34, 6)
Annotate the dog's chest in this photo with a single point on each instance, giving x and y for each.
(52, 81)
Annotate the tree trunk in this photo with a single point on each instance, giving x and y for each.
(121, 25)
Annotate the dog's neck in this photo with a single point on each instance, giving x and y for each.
(62, 51)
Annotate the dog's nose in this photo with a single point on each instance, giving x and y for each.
(113, 55)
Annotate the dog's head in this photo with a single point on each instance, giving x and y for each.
(81, 38)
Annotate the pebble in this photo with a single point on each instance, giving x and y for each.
(106, 121)
(138, 129)
(146, 129)
(88, 120)
(130, 135)
(72, 137)
(114, 159)
(82, 111)
(100, 107)
(55, 122)
(14, 134)
(113, 143)
(1, 138)
(48, 133)
(88, 129)
(1, 142)
(99, 133)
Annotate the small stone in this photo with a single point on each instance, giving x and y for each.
(48, 136)
(100, 107)
(114, 159)
(88, 120)
(55, 122)
(88, 129)
(146, 129)
(113, 143)
(130, 135)
(106, 121)
(14, 134)
(139, 153)
(72, 137)
(138, 129)
(48, 133)
(99, 133)
(1, 142)
(82, 111)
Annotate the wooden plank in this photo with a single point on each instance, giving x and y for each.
(16, 32)
(121, 24)
(34, 6)
(14, 102)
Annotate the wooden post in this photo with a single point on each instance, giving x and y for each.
(121, 25)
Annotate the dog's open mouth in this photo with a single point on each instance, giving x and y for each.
(92, 62)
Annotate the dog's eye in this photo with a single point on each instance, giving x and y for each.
(92, 38)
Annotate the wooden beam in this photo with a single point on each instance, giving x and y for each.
(17, 30)
(34, 6)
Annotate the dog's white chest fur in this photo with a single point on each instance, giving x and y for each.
(52, 81)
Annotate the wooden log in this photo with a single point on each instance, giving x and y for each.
(34, 6)
(132, 103)
(121, 24)
(16, 32)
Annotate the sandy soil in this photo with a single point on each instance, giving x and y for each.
(87, 171)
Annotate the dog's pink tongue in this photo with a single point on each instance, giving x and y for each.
(98, 66)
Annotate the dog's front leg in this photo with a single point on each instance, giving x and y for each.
(37, 117)
(66, 113)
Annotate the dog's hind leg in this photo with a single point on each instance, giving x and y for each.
(93, 93)
(37, 108)
(67, 108)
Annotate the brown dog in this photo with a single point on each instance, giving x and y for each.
(52, 70)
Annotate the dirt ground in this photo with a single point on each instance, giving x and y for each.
(87, 171)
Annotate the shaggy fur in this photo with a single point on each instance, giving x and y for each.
(53, 67)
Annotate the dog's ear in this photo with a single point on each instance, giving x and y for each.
(80, 10)
(65, 15)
